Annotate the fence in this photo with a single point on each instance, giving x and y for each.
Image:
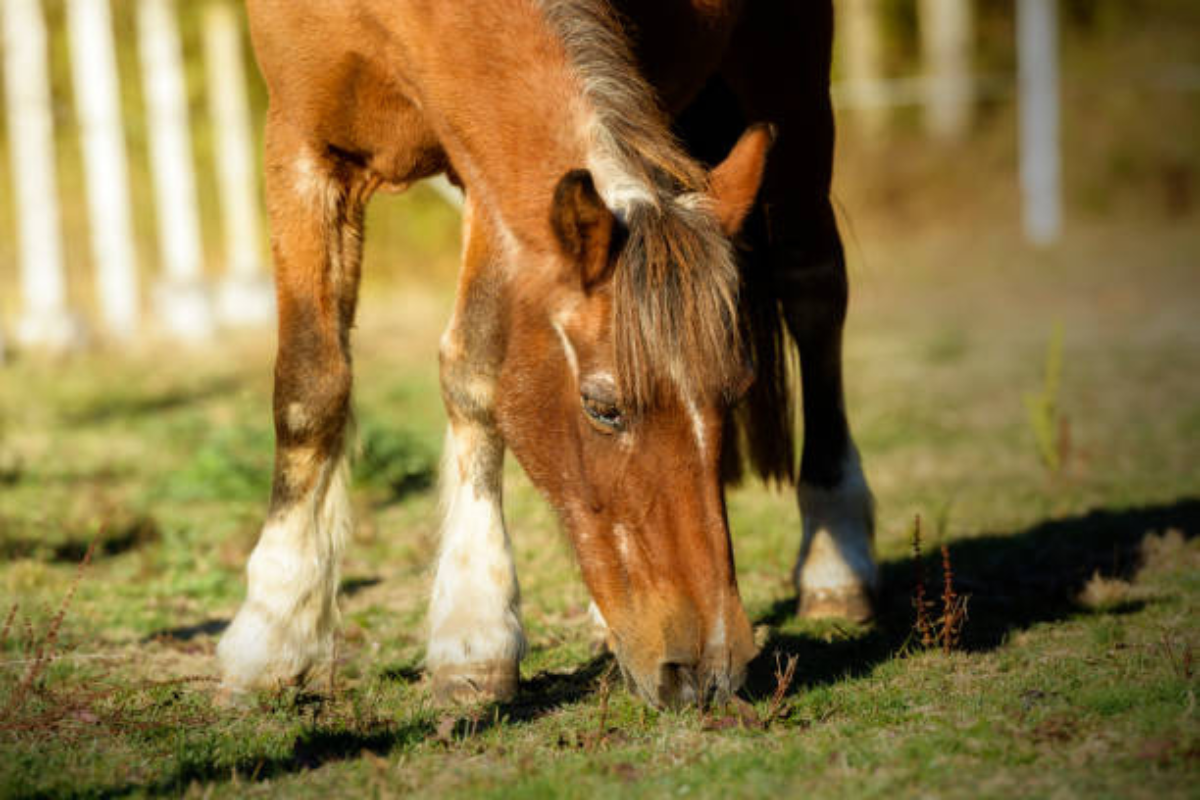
(185, 304)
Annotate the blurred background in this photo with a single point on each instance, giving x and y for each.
(1018, 184)
(1035, 120)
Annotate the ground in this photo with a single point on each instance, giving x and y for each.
(1069, 502)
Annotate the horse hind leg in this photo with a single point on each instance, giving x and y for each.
(835, 572)
(475, 635)
(286, 625)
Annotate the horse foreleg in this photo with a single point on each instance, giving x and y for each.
(475, 637)
(286, 624)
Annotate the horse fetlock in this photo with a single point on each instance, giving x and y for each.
(263, 650)
(286, 625)
(461, 640)
(853, 603)
(835, 574)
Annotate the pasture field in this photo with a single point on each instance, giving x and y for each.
(1076, 675)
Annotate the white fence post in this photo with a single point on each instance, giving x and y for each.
(45, 320)
(183, 300)
(245, 295)
(862, 58)
(97, 99)
(1037, 53)
(947, 31)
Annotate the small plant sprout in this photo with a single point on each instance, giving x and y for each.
(1051, 428)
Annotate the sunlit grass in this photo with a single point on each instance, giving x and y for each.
(1063, 684)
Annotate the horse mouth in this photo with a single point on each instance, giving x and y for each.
(677, 685)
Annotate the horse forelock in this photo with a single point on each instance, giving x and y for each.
(675, 305)
(675, 284)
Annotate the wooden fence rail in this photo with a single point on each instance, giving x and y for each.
(186, 305)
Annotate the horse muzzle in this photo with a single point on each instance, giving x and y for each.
(678, 678)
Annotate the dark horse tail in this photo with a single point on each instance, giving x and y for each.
(761, 430)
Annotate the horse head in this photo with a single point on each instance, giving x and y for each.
(614, 396)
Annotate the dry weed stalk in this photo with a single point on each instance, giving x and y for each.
(947, 629)
(784, 675)
(954, 607)
(923, 625)
(1181, 662)
(8, 623)
(44, 653)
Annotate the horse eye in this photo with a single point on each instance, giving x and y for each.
(605, 415)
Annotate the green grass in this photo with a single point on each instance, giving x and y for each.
(1076, 676)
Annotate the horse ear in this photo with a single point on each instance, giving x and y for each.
(583, 225)
(734, 183)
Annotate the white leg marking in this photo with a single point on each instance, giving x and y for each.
(836, 553)
(286, 624)
(474, 614)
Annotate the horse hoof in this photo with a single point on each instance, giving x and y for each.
(854, 604)
(468, 684)
(229, 698)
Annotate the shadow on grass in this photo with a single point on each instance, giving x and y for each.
(186, 633)
(216, 626)
(116, 405)
(321, 744)
(1015, 581)
(313, 748)
(111, 538)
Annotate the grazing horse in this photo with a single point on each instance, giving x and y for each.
(606, 328)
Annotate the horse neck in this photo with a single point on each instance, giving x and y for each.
(511, 88)
(496, 85)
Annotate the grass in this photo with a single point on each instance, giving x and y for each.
(1074, 674)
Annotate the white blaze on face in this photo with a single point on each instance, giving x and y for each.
(568, 348)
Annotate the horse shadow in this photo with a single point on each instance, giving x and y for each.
(1015, 581)
(116, 406)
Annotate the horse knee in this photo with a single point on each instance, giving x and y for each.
(468, 387)
(312, 399)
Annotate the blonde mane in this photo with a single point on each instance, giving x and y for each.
(675, 283)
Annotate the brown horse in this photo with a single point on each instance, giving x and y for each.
(605, 330)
